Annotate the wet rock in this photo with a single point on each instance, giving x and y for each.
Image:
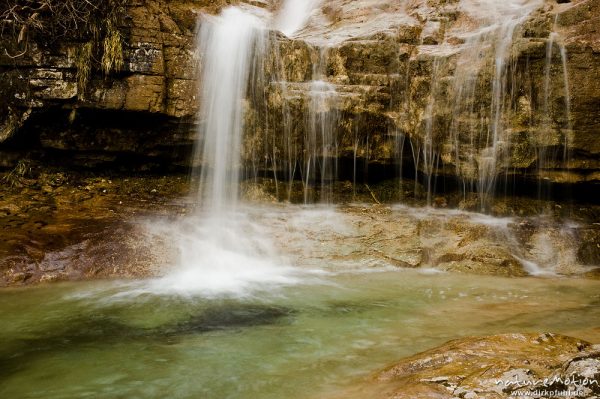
(70, 226)
(509, 244)
(64, 225)
(500, 366)
(589, 250)
(12, 121)
(145, 93)
(385, 61)
(481, 258)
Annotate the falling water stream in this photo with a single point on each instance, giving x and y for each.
(226, 45)
(220, 249)
(321, 138)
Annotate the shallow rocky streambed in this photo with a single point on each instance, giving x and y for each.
(286, 300)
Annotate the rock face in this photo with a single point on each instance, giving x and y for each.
(142, 110)
(422, 85)
(413, 84)
(502, 366)
(68, 226)
(157, 76)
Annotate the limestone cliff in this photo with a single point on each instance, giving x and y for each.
(396, 69)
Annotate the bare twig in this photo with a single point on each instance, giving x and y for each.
(372, 194)
(17, 55)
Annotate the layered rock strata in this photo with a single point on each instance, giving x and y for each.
(397, 72)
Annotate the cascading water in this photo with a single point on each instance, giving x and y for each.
(233, 46)
(493, 140)
(226, 45)
(484, 59)
(496, 142)
(221, 250)
(565, 71)
(548, 153)
(320, 146)
(425, 153)
(294, 15)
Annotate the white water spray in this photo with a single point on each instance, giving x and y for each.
(233, 258)
(294, 15)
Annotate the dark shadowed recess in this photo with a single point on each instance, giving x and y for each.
(105, 141)
(117, 142)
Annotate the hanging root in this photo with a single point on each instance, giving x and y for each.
(53, 19)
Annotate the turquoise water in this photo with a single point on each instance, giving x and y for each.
(113, 340)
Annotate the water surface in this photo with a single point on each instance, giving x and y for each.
(115, 339)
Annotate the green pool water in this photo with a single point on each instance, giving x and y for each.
(115, 340)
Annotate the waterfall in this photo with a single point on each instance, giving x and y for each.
(226, 249)
(548, 158)
(226, 44)
(294, 15)
(477, 129)
(485, 58)
(427, 148)
(496, 140)
(320, 140)
(565, 72)
(223, 251)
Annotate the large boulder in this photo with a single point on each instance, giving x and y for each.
(501, 366)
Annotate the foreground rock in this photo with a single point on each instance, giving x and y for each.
(501, 366)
